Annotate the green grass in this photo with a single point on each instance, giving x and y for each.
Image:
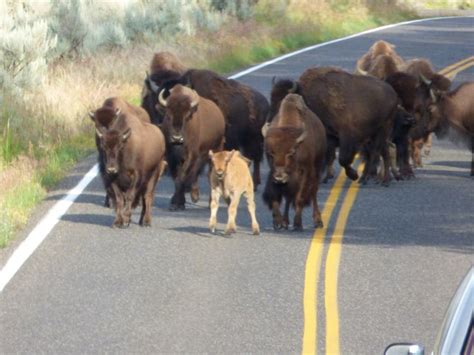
(17, 204)
(16, 207)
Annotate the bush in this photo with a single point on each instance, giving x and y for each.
(25, 45)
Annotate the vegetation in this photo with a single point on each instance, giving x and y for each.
(62, 58)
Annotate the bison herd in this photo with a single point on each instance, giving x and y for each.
(189, 118)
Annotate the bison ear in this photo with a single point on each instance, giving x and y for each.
(92, 116)
(126, 134)
(211, 153)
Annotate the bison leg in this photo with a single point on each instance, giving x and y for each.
(195, 192)
(119, 206)
(386, 163)
(215, 195)
(249, 194)
(416, 146)
(428, 143)
(330, 157)
(147, 201)
(347, 152)
(277, 219)
(178, 200)
(286, 214)
(232, 213)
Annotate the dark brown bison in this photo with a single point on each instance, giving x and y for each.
(198, 125)
(133, 153)
(245, 111)
(355, 110)
(431, 83)
(377, 57)
(295, 143)
(164, 66)
(454, 110)
(108, 117)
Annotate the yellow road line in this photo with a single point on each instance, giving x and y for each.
(452, 73)
(312, 269)
(332, 269)
(313, 261)
(451, 67)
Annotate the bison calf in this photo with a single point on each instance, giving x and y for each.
(230, 178)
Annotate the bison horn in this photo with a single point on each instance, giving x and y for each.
(99, 133)
(425, 80)
(117, 113)
(362, 71)
(433, 96)
(265, 128)
(92, 115)
(153, 87)
(274, 80)
(302, 136)
(161, 99)
(195, 99)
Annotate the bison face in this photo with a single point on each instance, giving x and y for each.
(282, 145)
(180, 109)
(220, 161)
(112, 143)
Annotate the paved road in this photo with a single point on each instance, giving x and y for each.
(176, 288)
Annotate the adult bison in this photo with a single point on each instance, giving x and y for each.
(430, 83)
(455, 110)
(355, 110)
(245, 111)
(133, 153)
(380, 60)
(197, 124)
(108, 117)
(164, 66)
(295, 143)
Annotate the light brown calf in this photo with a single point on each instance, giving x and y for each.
(230, 177)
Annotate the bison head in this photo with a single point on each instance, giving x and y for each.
(281, 144)
(112, 143)
(220, 161)
(280, 89)
(181, 105)
(105, 117)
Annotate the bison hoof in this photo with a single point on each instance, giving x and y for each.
(176, 207)
(352, 174)
(318, 224)
(229, 231)
(298, 228)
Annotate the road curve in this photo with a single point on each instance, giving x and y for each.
(174, 287)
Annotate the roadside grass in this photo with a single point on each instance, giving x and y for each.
(41, 141)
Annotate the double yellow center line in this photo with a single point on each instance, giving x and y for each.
(315, 253)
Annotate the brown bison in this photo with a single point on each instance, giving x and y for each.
(431, 83)
(380, 56)
(197, 124)
(355, 110)
(133, 153)
(245, 111)
(164, 66)
(382, 67)
(295, 143)
(230, 178)
(454, 110)
(108, 117)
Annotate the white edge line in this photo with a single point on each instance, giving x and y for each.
(42, 229)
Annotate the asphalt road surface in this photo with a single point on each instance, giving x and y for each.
(175, 287)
